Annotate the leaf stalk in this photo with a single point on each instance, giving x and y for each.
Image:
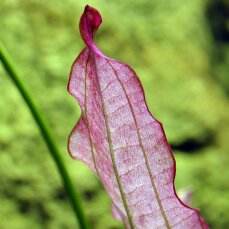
(47, 136)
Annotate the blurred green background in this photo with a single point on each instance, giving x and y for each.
(180, 52)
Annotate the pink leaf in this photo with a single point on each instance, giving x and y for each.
(122, 142)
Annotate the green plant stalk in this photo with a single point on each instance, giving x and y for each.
(47, 136)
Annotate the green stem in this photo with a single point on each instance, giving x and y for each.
(47, 136)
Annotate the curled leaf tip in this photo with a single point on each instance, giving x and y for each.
(89, 23)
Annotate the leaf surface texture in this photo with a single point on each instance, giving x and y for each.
(122, 142)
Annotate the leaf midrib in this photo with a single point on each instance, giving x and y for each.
(123, 195)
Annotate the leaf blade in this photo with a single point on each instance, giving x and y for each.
(132, 156)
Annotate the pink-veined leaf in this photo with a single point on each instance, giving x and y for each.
(122, 142)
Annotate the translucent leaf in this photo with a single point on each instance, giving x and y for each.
(122, 142)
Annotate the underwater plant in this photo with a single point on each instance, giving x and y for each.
(119, 139)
